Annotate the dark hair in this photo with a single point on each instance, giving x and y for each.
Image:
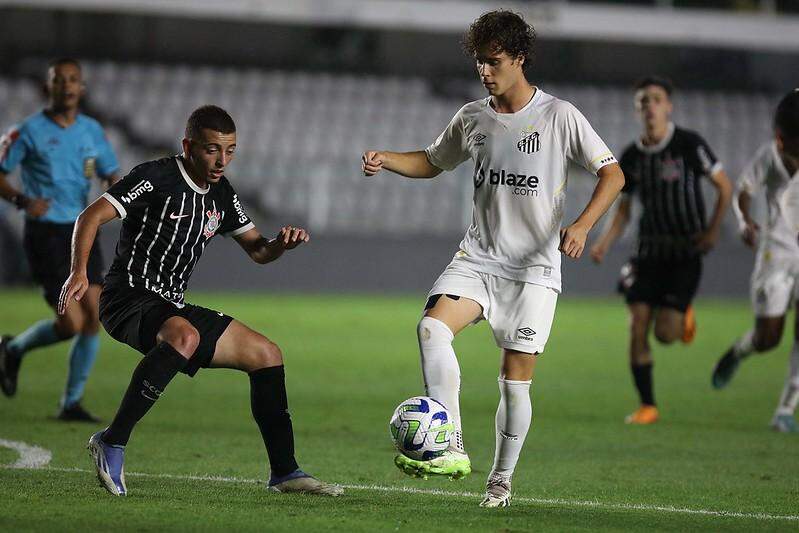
(63, 61)
(500, 31)
(657, 81)
(786, 118)
(209, 117)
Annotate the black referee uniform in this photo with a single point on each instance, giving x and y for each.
(667, 179)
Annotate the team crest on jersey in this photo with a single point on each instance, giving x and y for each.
(530, 142)
(214, 221)
(670, 170)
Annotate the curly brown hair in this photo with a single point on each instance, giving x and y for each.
(500, 31)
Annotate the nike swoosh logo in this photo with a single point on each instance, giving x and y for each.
(173, 216)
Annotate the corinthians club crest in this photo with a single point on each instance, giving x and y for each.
(214, 221)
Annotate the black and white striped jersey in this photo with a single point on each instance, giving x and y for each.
(667, 180)
(167, 220)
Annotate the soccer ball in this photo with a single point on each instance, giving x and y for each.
(421, 428)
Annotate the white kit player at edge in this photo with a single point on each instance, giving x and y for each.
(775, 279)
(507, 270)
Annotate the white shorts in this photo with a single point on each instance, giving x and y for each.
(520, 314)
(774, 284)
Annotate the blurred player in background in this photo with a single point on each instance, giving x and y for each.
(507, 270)
(775, 168)
(664, 168)
(60, 150)
(170, 210)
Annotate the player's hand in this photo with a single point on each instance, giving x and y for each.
(290, 237)
(572, 240)
(706, 240)
(37, 207)
(371, 163)
(73, 288)
(598, 253)
(749, 233)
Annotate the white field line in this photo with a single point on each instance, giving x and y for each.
(29, 454)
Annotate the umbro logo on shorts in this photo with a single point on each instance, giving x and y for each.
(525, 334)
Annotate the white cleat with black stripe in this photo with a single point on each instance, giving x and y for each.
(497, 491)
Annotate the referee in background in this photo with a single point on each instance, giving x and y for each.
(60, 151)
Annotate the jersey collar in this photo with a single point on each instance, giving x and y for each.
(533, 100)
(655, 148)
(188, 179)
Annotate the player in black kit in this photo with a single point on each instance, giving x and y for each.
(664, 168)
(171, 209)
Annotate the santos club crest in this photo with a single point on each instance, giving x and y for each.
(214, 220)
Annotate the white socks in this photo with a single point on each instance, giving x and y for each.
(743, 346)
(790, 392)
(442, 375)
(514, 414)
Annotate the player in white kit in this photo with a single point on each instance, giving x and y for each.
(507, 270)
(775, 279)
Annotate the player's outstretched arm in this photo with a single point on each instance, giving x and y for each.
(408, 164)
(572, 238)
(98, 213)
(708, 238)
(262, 250)
(613, 231)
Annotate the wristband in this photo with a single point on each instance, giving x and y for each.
(20, 200)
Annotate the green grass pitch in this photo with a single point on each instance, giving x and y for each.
(710, 464)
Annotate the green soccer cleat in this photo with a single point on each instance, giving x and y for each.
(725, 369)
(451, 464)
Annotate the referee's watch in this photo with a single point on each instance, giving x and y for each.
(20, 200)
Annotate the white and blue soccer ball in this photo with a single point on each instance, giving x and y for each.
(421, 428)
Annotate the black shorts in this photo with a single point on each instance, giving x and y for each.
(134, 316)
(48, 247)
(671, 283)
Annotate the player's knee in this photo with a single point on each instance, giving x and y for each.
(262, 354)
(184, 339)
(433, 332)
(67, 326)
(666, 334)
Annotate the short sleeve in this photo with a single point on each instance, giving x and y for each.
(236, 220)
(627, 165)
(754, 174)
(131, 192)
(107, 163)
(582, 144)
(13, 149)
(708, 163)
(450, 149)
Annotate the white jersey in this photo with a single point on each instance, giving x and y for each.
(520, 174)
(767, 170)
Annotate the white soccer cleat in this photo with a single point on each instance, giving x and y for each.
(497, 491)
(300, 482)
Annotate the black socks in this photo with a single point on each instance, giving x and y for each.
(643, 382)
(270, 410)
(149, 380)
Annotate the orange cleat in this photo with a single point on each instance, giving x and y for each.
(646, 414)
(689, 326)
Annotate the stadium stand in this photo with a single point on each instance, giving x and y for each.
(301, 134)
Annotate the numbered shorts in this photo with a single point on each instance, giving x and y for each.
(520, 314)
(774, 283)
